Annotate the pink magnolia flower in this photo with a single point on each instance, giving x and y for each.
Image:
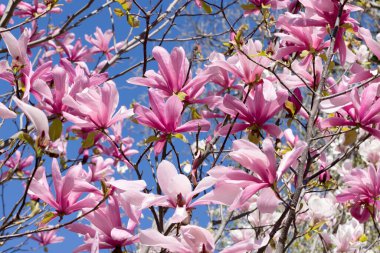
(310, 39)
(243, 67)
(17, 48)
(364, 191)
(264, 171)
(178, 190)
(68, 189)
(347, 238)
(126, 144)
(255, 112)
(5, 113)
(166, 118)
(219, 75)
(16, 164)
(51, 101)
(94, 107)
(101, 42)
(323, 13)
(192, 239)
(75, 53)
(132, 199)
(99, 169)
(362, 111)
(174, 75)
(16, 161)
(372, 44)
(25, 9)
(106, 229)
(47, 237)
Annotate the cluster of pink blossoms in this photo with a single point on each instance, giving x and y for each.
(271, 126)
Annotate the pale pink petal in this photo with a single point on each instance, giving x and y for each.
(5, 113)
(152, 237)
(165, 172)
(290, 157)
(267, 201)
(36, 116)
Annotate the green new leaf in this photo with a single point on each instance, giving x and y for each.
(195, 114)
(207, 8)
(55, 129)
(27, 138)
(48, 217)
(125, 4)
(119, 12)
(133, 21)
(290, 107)
(152, 138)
(181, 137)
(90, 140)
(248, 7)
(350, 137)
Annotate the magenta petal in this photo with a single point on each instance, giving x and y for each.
(359, 212)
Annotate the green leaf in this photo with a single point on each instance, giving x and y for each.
(133, 21)
(34, 207)
(55, 129)
(90, 140)
(181, 137)
(248, 7)
(195, 114)
(125, 4)
(152, 138)
(48, 217)
(207, 8)
(27, 138)
(119, 12)
(350, 137)
(227, 44)
(290, 107)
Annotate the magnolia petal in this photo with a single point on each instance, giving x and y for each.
(36, 116)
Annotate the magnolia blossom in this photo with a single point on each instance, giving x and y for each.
(255, 112)
(47, 237)
(347, 238)
(68, 189)
(369, 151)
(363, 189)
(106, 230)
(192, 239)
(101, 42)
(362, 111)
(174, 76)
(321, 209)
(263, 168)
(94, 108)
(178, 190)
(165, 116)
